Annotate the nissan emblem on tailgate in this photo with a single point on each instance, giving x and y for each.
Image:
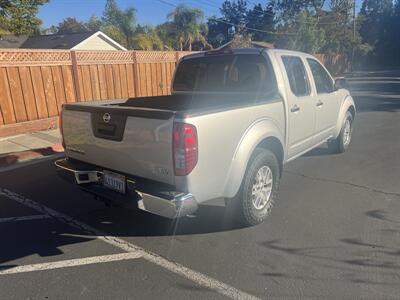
(106, 117)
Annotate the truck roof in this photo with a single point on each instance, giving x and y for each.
(247, 51)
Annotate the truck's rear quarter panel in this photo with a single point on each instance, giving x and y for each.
(219, 136)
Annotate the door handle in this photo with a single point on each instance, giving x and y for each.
(295, 108)
(320, 103)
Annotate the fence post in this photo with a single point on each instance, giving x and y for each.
(136, 79)
(176, 57)
(75, 75)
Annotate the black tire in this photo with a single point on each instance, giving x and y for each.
(242, 204)
(340, 144)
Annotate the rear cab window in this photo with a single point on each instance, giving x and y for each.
(297, 75)
(241, 73)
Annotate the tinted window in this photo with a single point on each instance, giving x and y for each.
(323, 81)
(225, 73)
(297, 75)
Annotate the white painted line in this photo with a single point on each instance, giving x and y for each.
(71, 263)
(194, 276)
(24, 218)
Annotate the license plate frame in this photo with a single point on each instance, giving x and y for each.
(114, 181)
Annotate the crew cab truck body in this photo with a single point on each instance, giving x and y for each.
(233, 120)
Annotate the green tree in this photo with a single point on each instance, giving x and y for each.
(305, 36)
(219, 32)
(167, 33)
(124, 20)
(235, 12)
(262, 19)
(375, 14)
(338, 26)
(20, 16)
(71, 25)
(146, 38)
(288, 10)
(238, 20)
(188, 26)
(380, 29)
(114, 33)
(94, 23)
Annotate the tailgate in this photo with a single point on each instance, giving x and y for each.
(127, 140)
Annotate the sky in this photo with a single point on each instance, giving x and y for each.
(149, 12)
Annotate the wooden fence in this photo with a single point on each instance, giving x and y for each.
(337, 64)
(35, 83)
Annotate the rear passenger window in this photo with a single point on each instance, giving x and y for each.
(323, 80)
(297, 75)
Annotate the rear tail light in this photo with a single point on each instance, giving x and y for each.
(185, 148)
(61, 129)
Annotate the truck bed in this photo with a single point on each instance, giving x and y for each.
(182, 105)
(196, 103)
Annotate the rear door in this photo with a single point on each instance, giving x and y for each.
(300, 103)
(327, 101)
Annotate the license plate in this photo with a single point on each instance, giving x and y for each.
(114, 181)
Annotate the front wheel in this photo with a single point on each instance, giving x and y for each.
(257, 193)
(342, 142)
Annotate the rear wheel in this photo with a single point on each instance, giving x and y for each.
(257, 193)
(342, 142)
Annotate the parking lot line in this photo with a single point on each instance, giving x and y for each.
(24, 218)
(71, 263)
(194, 276)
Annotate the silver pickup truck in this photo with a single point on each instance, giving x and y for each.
(234, 118)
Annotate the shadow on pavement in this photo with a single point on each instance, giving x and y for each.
(122, 222)
(36, 238)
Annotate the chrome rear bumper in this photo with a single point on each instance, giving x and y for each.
(173, 206)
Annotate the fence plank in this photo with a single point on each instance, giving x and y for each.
(70, 95)
(158, 75)
(102, 81)
(6, 104)
(38, 89)
(87, 85)
(168, 65)
(164, 78)
(142, 79)
(1, 117)
(16, 94)
(27, 91)
(130, 80)
(153, 79)
(49, 91)
(110, 81)
(148, 80)
(117, 82)
(58, 86)
(94, 80)
(79, 80)
(124, 84)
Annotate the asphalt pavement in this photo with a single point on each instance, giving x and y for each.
(334, 232)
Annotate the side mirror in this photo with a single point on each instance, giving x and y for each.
(340, 83)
